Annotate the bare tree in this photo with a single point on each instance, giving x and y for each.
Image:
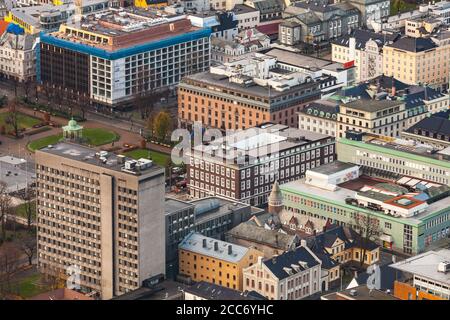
(9, 265)
(5, 207)
(27, 85)
(12, 118)
(368, 229)
(27, 245)
(28, 197)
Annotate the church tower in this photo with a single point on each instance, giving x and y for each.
(275, 199)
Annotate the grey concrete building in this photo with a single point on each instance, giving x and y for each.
(100, 214)
(210, 216)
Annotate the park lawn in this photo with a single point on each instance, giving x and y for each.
(157, 157)
(20, 210)
(24, 121)
(99, 136)
(43, 142)
(94, 136)
(31, 286)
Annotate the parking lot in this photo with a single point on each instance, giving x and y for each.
(16, 172)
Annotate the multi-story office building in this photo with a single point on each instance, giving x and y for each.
(419, 60)
(243, 166)
(214, 261)
(211, 216)
(245, 93)
(365, 49)
(387, 117)
(395, 156)
(101, 214)
(404, 212)
(118, 54)
(293, 275)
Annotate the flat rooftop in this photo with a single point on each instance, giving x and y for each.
(87, 155)
(426, 265)
(303, 61)
(333, 167)
(194, 243)
(344, 192)
(124, 28)
(258, 142)
(223, 81)
(360, 293)
(402, 148)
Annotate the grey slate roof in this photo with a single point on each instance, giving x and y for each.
(362, 36)
(413, 44)
(432, 124)
(278, 264)
(272, 238)
(373, 105)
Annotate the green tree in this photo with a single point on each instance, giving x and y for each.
(162, 125)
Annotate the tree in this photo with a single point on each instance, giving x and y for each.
(5, 207)
(162, 125)
(27, 196)
(27, 245)
(27, 87)
(9, 264)
(368, 228)
(12, 118)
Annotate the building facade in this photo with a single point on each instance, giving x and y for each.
(246, 170)
(135, 59)
(101, 215)
(214, 261)
(293, 275)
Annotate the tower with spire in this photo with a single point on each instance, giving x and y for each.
(275, 199)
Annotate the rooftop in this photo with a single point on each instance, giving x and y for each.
(413, 44)
(359, 293)
(196, 242)
(426, 265)
(291, 262)
(211, 291)
(92, 157)
(350, 189)
(372, 105)
(273, 238)
(258, 142)
(123, 28)
(333, 167)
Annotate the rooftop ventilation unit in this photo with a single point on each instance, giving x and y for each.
(444, 266)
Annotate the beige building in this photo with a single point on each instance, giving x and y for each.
(101, 214)
(387, 117)
(293, 275)
(419, 60)
(214, 261)
(17, 56)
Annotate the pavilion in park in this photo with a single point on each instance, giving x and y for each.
(73, 131)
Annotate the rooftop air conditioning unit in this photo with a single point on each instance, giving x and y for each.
(444, 266)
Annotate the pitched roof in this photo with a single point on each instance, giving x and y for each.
(432, 124)
(325, 239)
(362, 36)
(301, 258)
(413, 44)
(272, 238)
(370, 105)
(388, 275)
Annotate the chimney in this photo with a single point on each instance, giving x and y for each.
(216, 246)
(393, 89)
(274, 259)
(204, 243)
(303, 243)
(276, 238)
(230, 249)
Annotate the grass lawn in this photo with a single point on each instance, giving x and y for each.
(43, 142)
(20, 210)
(406, 6)
(158, 157)
(94, 136)
(31, 286)
(23, 120)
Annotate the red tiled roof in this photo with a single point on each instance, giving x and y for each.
(268, 29)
